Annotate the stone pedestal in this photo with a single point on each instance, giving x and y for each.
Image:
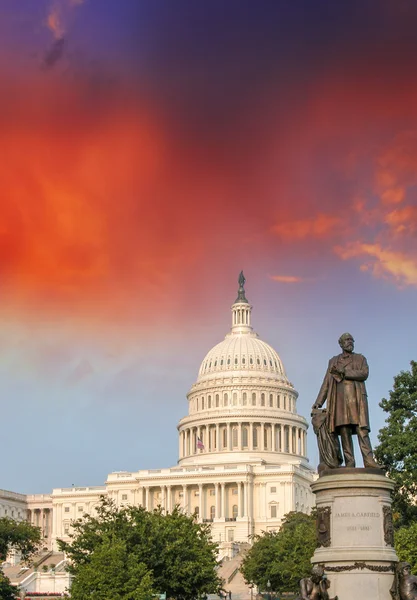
(355, 533)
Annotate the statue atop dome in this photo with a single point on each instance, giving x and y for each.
(241, 292)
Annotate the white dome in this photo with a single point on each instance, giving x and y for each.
(242, 352)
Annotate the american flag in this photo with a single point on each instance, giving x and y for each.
(200, 444)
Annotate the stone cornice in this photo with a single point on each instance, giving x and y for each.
(277, 416)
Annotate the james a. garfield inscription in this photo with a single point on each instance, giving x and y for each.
(347, 408)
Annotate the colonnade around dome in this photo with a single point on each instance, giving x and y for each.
(259, 436)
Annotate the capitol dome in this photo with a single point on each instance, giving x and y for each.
(242, 400)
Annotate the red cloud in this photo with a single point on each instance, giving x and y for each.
(320, 226)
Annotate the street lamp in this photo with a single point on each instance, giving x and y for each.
(268, 585)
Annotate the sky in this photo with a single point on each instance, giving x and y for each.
(152, 149)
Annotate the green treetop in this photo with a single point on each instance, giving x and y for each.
(397, 450)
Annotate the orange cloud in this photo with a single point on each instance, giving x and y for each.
(403, 220)
(286, 278)
(397, 266)
(59, 16)
(318, 227)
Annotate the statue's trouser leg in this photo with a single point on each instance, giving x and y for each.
(365, 446)
(347, 445)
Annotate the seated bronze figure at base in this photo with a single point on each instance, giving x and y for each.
(315, 587)
(405, 584)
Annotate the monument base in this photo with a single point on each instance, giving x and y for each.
(355, 533)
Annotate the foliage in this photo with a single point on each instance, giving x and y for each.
(406, 545)
(21, 536)
(169, 553)
(112, 573)
(7, 591)
(282, 557)
(397, 450)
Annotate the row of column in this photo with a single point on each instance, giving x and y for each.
(41, 517)
(216, 501)
(271, 437)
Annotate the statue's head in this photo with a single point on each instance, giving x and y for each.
(404, 569)
(317, 573)
(346, 342)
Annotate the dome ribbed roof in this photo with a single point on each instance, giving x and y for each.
(242, 352)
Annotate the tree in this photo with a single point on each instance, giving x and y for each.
(406, 545)
(7, 590)
(282, 557)
(20, 536)
(397, 450)
(126, 553)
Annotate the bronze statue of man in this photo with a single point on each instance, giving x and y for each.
(347, 403)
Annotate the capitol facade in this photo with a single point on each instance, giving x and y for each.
(242, 451)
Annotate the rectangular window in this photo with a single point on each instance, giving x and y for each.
(273, 511)
(196, 493)
(80, 509)
(234, 491)
(273, 490)
(124, 496)
(212, 492)
(230, 535)
(66, 509)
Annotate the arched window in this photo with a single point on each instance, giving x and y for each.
(208, 401)
(255, 437)
(271, 400)
(235, 360)
(285, 402)
(278, 401)
(214, 439)
(245, 437)
(262, 399)
(243, 360)
(197, 512)
(212, 512)
(225, 399)
(225, 438)
(202, 403)
(196, 404)
(234, 511)
(244, 399)
(253, 399)
(234, 398)
(251, 361)
(235, 433)
(217, 400)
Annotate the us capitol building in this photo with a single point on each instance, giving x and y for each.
(242, 451)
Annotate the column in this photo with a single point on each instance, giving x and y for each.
(201, 501)
(180, 445)
(218, 437)
(251, 436)
(147, 497)
(163, 496)
(223, 501)
(217, 499)
(245, 499)
(263, 500)
(262, 444)
(239, 499)
(305, 442)
(168, 498)
(184, 498)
